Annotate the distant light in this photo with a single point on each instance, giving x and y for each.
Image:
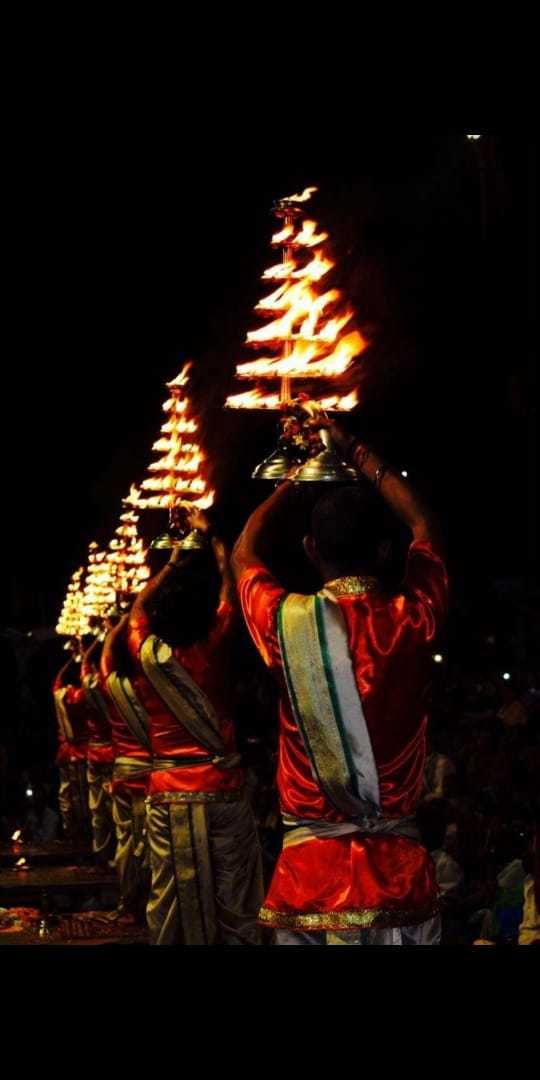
(29, 634)
(473, 138)
(506, 676)
(438, 658)
(29, 792)
(404, 473)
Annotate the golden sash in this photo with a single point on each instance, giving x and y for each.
(181, 695)
(326, 703)
(124, 697)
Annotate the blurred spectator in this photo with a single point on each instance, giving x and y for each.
(512, 712)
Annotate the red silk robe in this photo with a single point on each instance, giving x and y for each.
(125, 745)
(207, 664)
(347, 881)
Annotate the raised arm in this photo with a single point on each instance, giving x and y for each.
(112, 651)
(248, 550)
(60, 680)
(394, 489)
(197, 520)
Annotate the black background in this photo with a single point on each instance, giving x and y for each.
(127, 256)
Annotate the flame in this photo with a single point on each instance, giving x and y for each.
(279, 271)
(180, 466)
(181, 379)
(284, 234)
(307, 360)
(256, 399)
(303, 197)
(133, 496)
(22, 864)
(301, 302)
(307, 237)
(307, 327)
(127, 554)
(253, 399)
(70, 622)
(175, 406)
(17, 835)
(316, 269)
(340, 404)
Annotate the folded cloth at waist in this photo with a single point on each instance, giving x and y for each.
(131, 766)
(211, 773)
(100, 752)
(131, 773)
(156, 797)
(298, 830)
(222, 762)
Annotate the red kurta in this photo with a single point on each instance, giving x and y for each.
(62, 754)
(389, 878)
(208, 665)
(77, 710)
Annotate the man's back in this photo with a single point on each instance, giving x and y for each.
(390, 639)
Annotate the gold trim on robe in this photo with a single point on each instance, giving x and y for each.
(345, 920)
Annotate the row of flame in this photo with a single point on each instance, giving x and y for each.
(310, 339)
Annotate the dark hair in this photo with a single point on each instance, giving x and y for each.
(347, 527)
(183, 607)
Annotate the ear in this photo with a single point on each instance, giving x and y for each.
(310, 549)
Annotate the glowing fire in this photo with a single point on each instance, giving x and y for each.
(70, 622)
(17, 836)
(127, 553)
(179, 470)
(283, 234)
(303, 197)
(308, 327)
(307, 237)
(21, 864)
(99, 587)
(255, 399)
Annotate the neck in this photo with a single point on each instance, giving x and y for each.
(333, 573)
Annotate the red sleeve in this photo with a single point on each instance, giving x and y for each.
(426, 582)
(58, 684)
(137, 632)
(106, 663)
(260, 596)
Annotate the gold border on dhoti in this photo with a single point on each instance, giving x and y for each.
(362, 918)
(193, 873)
(194, 797)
